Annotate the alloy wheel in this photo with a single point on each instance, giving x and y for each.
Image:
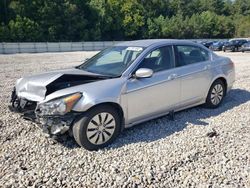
(217, 94)
(101, 128)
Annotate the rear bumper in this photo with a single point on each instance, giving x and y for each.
(216, 48)
(230, 79)
(245, 49)
(229, 48)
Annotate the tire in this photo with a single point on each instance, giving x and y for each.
(97, 128)
(216, 94)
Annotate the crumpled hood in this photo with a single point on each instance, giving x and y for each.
(36, 87)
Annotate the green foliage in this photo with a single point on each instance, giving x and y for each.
(133, 17)
(82, 20)
(242, 7)
(243, 26)
(24, 29)
(4, 33)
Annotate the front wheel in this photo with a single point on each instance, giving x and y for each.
(216, 94)
(97, 128)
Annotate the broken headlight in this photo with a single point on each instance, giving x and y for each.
(59, 106)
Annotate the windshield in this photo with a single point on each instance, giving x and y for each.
(112, 61)
(247, 44)
(237, 41)
(219, 43)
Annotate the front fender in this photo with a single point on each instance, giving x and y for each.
(108, 91)
(88, 101)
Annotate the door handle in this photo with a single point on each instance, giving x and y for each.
(172, 76)
(207, 67)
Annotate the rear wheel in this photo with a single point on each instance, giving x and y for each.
(97, 128)
(216, 94)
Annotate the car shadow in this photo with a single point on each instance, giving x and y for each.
(162, 127)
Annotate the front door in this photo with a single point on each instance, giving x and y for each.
(148, 97)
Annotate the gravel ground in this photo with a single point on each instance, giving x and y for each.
(201, 148)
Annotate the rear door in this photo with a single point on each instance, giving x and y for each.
(194, 68)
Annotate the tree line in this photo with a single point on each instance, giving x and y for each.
(94, 20)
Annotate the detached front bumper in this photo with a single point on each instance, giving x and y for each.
(52, 125)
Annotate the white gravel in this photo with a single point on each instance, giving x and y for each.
(159, 153)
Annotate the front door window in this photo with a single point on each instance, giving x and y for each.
(159, 59)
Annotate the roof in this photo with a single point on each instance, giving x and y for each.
(149, 42)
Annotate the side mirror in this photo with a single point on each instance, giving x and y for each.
(143, 73)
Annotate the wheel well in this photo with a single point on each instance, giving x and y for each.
(224, 82)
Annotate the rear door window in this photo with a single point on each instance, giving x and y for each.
(186, 55)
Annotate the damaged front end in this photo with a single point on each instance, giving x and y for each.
(56, 125)
(32, 96)
(53, 117)
(21, 105)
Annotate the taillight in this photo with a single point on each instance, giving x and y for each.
(231, 64)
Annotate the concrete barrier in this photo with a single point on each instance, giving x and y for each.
(40, 47)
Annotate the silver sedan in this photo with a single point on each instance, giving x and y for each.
(121, 86)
